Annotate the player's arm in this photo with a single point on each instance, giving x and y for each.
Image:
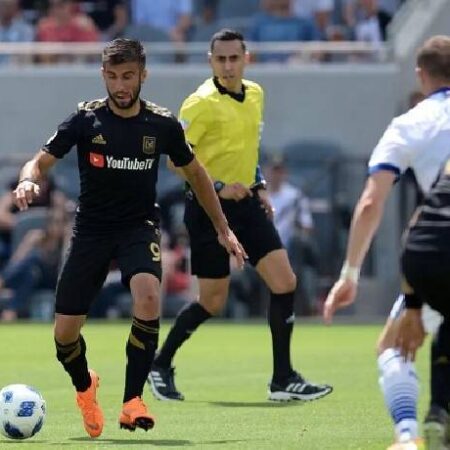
(365, 222)
(197, 177)
(30, 174)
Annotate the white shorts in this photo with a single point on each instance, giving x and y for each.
(431, 319)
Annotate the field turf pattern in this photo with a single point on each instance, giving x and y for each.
(223, 372)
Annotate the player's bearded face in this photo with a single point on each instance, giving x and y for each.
(123, 84)
(125, 99)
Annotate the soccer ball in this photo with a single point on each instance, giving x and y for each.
(22, 411)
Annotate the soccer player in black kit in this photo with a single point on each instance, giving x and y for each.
(119, 141)
(426, 270)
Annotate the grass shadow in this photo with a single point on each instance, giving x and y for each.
(128, 441)
(256, 404)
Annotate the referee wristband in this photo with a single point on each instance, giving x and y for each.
(349, 273)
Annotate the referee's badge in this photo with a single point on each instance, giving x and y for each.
(149, 145)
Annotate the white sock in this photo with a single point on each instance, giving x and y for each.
(400, 386)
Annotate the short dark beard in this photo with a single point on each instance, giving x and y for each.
(131, 103)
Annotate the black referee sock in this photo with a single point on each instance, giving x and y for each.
(281, 322)
(440, 367)
(141, 346)
(185, 324)
(73, 358)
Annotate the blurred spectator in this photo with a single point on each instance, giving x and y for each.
(65, 23)
(206, 10)
(365, 19)
(176, 285)
(318, 10)
(172, 211)
(277, 23)
(49, 196)
(293, 220)
(110, 17)
(387, 10)
(172, 16)
(13, 27)
(336, 33)
(34, 265)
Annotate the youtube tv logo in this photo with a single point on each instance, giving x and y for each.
(97, 160)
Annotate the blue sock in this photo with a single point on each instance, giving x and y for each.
(400, 386)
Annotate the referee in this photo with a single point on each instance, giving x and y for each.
(426, 269)
(223, 120)
(119, 142)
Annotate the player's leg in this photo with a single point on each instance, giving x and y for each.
(211, 264)
(260, 239)
(139, 259)
(80, 280)
(437, 421)
(398, 380)
(286, 384)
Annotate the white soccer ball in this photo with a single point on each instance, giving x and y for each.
(22, 411)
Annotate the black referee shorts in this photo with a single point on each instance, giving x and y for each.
(246, 218)
(87, 263)
(429, 275)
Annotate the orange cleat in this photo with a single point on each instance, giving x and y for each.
(135, 415)
(90, 410)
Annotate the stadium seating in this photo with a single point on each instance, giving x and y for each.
(314, 167)
(236, 8)
(148, 33)
(32, 219)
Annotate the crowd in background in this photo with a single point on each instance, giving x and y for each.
(180, 21)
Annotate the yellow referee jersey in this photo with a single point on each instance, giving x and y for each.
(225, 131)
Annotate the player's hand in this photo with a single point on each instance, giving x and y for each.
(24, 194)
(230, 242)
(265, 203)
(341, 295)
(410, 333)
(235, 191)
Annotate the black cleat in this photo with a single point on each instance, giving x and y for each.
(436, 429)
(162, 384)
(297, 388)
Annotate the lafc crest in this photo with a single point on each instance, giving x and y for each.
(148, 145)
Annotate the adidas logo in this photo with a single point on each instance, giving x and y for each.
(99, 140)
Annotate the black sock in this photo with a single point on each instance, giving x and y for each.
(73, 358)
(185, 324)
(281, 322)
(440, 367)
(141, 346)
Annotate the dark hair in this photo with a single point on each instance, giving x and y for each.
(122, 50)
(226, 34)
(434, 57)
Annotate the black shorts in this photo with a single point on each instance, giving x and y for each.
(88, 261)
(246, 218)
(429, 276)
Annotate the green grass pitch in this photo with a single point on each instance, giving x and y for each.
(223, 372)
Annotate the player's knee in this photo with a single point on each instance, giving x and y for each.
(214, 304)
(148, 300)
(284, 285)
(65, 335)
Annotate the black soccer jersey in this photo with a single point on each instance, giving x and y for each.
(431, 230)
(118, 161)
